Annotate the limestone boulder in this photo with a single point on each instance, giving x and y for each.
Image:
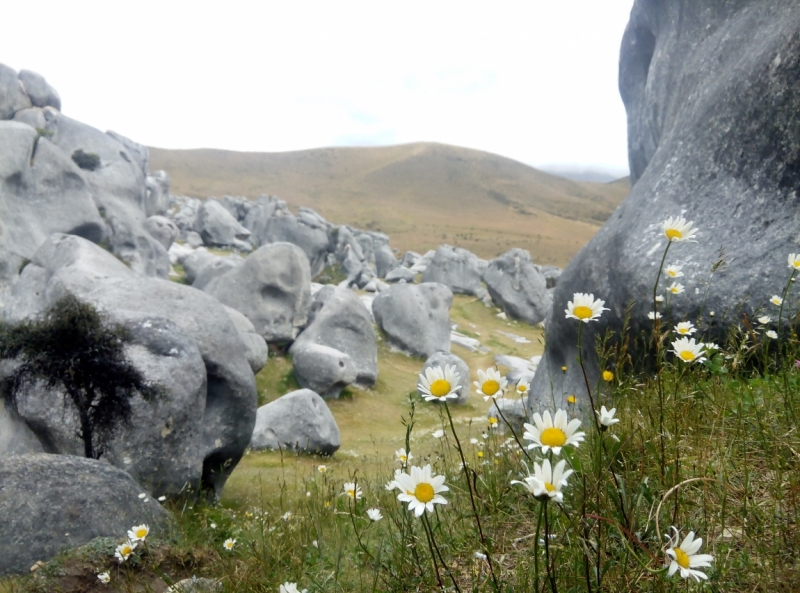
(415, 317)
(385, 261)
(218, 227)
(38, 90)
(181, 338)
(298, 421)
(272, 288)
(515, 285)
(339, 319)
(257, 350)
(323, 369)
(709, 87)
(12, 93)
(49, 503)
(195, 261)
(162, 229)
(157, 197)
(456, 268)
(400, 274)
(214, 268)
(444, 359)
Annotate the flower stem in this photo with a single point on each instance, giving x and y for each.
(433, 554)
(484, 543)
(439, 552)
(659, 384)
(551, 577)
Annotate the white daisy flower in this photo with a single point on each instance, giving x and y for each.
(772, 334)
(678, 230)
(687, 350)
(138, 533)
(322, 468)
(124, 550)
(794, 261)
(490, 384)
(776, 300)
(711, 346)
(291, 588)
(553, 433)
(162, 498)
(685, 558)
(437, 434)
(523, 387)
(437, 384)
(584, 307)
(104, 577)
(652, 316)
(606, 417)
(685, 328)
(764, 319)
(676, 288)
(674, 271)
(352, 490)
(659, 298)
(421, 490)
(546, 483)
(228, 544)
(402, 456)
(374, 514)
(213, 526)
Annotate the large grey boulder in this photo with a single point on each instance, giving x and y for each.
(38, 90)
(415, 317)
(456, 268)
(270, 221)
(181, 338)
(162, 229)
(214, 268)
(710, 91)
(15, 436)
(194, 262)
(157, 197)
(12, 93)
(323, 369)
(400, 274)
(218, 227)
(272, 288)
(38, 196)
(257, 350)
(299, 421)
(515, 285)
(49, 503)
(444, 359)
(118, 189)
(339, 319)
(385, 261)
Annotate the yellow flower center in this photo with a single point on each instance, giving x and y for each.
(563, 369)
(582, 312)
(480, 453)
(126, 550)
(673, 289)
(571, 400)
(553, 437)
(608, 376)
(549, 487)
(686, 355)
(229, 545)
(327, 504)
(673, 234)
(492, 420)
(490, 387)
(424, 492)
(351, 493)
(440, 388)
(403, 458)
(522, 388)
(671, 273)
(681, 558)
(140, 533)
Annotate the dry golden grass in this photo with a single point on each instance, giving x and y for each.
(421, 195)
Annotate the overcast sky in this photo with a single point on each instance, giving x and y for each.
(534, 80)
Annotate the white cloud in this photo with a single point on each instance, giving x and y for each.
(532, 79)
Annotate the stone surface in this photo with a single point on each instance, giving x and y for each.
(339, 319)
(257, 350)
(299, 421)
(442, 359)
(415, 317)
(15, 436)
(710, 92)
(270, 221)
(385, 261)
(52, 502)
(323, 369)
(456, 268)
(516, 286)
(217, 227)
(12, 93)
(162, 229)
(157, 199)
(509, 412)
(272, 288)
(214, 268)
(194, 262)
(400, 273)
(38, 90)
(181, 338)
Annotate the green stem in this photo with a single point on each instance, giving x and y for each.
(551, 577)
(439, 552)
(657, 344)
(536, 548)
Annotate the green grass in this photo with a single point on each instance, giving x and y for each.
(729, 470)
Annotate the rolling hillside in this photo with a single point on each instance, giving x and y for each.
(420, 194)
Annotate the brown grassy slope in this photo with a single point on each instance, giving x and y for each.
(421, 194)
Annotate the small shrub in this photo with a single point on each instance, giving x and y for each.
(88, 161)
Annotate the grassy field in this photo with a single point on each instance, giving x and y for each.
(421, 195)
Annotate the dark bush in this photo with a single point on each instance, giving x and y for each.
(86, 160)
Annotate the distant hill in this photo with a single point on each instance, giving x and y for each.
(421, 194)
(578, 174)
